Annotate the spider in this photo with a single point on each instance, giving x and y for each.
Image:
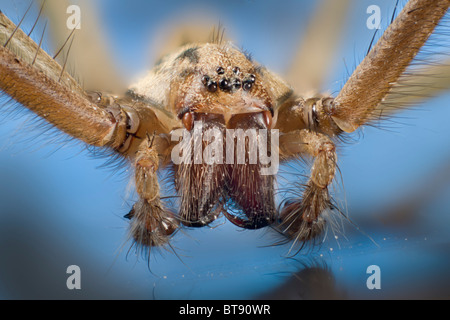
(216, 87)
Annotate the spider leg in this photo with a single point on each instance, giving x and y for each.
(313, 113)
(34, 79)
(151, 223)
(300, 218)
(375, 83)
(31, 77)
(309, 124)
(375, 76)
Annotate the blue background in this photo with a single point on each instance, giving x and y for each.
(58, 208)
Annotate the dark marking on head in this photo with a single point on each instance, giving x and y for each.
(247, 55)
(285, 96)
(260, 70)
(158, 63)
(186, 72)
(147, 100)
(190, 54)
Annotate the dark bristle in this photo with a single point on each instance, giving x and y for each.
(40, 43)
(18, 25)
(65, 42)
(65, 60)
(37, 19)
(218, 34)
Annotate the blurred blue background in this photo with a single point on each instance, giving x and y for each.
(58, 208)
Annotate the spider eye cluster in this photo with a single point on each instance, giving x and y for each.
(228, 83)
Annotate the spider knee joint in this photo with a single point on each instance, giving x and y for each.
(317, 115)
(127, 122)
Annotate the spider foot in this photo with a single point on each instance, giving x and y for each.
(302, 220)
(151, 225)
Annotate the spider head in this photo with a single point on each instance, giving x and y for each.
(224, 82)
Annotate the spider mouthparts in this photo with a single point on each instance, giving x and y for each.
(254, 223)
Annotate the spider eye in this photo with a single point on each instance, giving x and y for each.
(220, 70)
(247, 85)
(224, 84)
(236, 70)
(236, 84)
(205, 80)
(212, 86)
